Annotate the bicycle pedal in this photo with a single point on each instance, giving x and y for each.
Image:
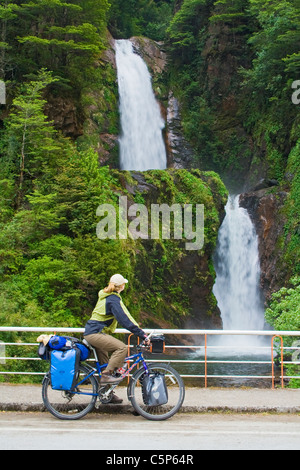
(105, 398)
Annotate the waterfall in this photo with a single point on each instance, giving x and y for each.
(141, 143)
(238, 272)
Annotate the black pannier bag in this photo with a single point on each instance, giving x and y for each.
(154, 389)
(157, 344)
(44, 352)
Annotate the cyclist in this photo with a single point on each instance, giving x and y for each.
(108, 312)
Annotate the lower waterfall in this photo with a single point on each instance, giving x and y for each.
(237, 268)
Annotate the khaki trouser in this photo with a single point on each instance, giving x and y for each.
(105, 344)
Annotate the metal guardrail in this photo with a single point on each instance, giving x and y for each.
(199, 355)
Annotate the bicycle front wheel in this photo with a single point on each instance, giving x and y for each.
(175, 389)
(75, 404)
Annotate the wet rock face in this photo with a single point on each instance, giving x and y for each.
(203, 315)
(152, 53)
(265, 209)
(64, 114)
(178, 149)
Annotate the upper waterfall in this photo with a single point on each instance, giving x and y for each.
(141, 144)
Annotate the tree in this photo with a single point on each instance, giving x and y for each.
(184, 30)
(284, 310)
(7, 13)
(284, 314)
(66, 37)
(235, 13)
(140, 18)
(276, 45)
(269, 113)
(28, 134)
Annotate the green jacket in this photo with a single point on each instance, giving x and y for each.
(109, 311)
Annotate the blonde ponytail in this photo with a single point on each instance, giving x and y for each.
(111, 288)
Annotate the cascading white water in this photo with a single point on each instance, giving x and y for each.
(238, 272)
(141, 143)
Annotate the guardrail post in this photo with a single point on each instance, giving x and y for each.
(272, 358)
(205, 361)
(128, 354)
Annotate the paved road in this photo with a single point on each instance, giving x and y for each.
(127, 432)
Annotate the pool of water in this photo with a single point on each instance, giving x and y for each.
(226, 367)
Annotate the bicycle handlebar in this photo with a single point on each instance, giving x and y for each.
(143, 345)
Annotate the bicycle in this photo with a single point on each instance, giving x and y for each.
(82, 398)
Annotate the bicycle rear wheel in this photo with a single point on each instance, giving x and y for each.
(69, 405)
(175, 388)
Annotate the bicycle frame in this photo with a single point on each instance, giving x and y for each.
(137, 358)
(77, 402)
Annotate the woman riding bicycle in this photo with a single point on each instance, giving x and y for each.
(110, 311)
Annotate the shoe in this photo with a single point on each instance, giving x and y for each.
(112, 398)
(116, 400)
(108, 379)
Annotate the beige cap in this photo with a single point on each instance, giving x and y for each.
(118, 280)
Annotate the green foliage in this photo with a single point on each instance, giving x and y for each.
(51, 262)
(50, 256)
(140, 18)
(28, 136)
(64, 37)
(184, 29)
(233, 13)
(268, 82)
(284, 314)
(292, 213)
(284, 310)
(203, 36)
(253, 47)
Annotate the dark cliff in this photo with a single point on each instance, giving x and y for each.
(266, 209)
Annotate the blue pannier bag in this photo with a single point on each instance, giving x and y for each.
(64, 366)
(84, 351)
(64, 343)
(61, 343)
